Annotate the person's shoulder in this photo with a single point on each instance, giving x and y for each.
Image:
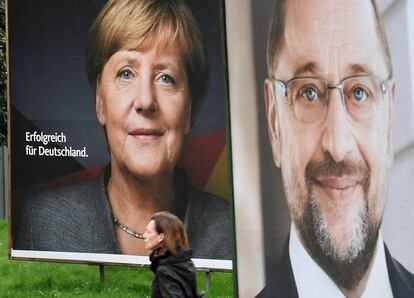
(208, 225)
(204, 203)
(282, 280)
(171, 283)
(277, 286)
(208, 211)
(70, 218)
(206, 219)
(65, 199)
(402, 280)
(199, 202)
(167, 271)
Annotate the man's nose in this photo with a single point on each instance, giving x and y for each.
(337, 137)
(145, 99)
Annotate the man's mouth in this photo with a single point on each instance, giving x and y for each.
(339, 189)
(147, 134)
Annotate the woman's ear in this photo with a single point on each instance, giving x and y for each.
(272, 121)
(187, 125)
(160, 237)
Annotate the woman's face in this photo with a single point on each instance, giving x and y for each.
(142, 99)
(152, 238)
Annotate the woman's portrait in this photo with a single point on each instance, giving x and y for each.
(148, 69)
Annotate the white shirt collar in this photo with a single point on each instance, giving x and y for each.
(311, 280)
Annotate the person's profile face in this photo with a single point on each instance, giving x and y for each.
(151, 238)
(142, 99)
(334, 170)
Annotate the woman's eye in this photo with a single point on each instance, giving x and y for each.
(310, 94)
(126, 74)
(359, 94)
(166, 79)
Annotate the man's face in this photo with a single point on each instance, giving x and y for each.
(335, 170)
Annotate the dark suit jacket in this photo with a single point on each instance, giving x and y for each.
(175, 276)
(283, 284)
(78, 218)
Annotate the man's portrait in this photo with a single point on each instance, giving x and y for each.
(330, 97)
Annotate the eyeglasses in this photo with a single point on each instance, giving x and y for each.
(308, 96)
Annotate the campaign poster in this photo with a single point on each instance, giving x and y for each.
(85, 125)
(262, 216)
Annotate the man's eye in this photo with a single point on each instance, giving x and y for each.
(310, 94)
(166, 79)
(359, 95)
(126, 74)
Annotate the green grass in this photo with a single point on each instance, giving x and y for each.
(37, 279)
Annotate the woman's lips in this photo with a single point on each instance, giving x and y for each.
(147, 134)
(337, 188)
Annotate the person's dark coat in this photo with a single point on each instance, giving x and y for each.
(175, 276)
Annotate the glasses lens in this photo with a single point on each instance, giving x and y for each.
(307, 96)
(362, 95)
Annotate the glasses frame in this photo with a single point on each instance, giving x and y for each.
(283, 86)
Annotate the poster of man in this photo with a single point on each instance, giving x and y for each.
(117, 112)
(332, 105)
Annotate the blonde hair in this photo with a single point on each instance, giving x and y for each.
(138, 23)
(173, 230)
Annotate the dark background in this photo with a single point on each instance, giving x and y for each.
(49, 90)
(276, 216)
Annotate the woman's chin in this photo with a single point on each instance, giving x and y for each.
(148, 171)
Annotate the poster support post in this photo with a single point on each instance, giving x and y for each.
(101, 273)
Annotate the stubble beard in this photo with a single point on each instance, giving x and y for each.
(347, 261)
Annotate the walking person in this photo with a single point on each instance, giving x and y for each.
(175, 274)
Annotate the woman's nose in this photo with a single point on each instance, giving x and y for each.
(145, 101)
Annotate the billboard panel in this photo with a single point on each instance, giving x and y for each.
(113, 123)
(261, 196)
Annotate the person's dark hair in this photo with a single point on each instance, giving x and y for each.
(134, 24)
(277, 26)
(174, 233)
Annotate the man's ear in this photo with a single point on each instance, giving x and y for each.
(99, 105)
(391, 125)
(272, 121)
